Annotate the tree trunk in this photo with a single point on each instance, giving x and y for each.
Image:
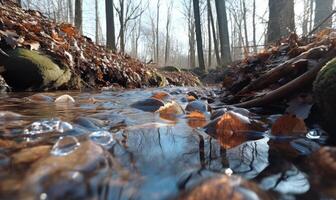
(322, 10)
(122, 26)
(255, 49)
(167, 47)
(247, 51)
(209, 33)
(214, 33)
(197, 17)
(281, 19)
(157, 30)
(70, 10)
(223, 32)
(78, 14)
(97, 22)
(110, 28)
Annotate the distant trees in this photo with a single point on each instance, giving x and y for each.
(322, 10)
(70, 12)
(110, 26)
(78, 14)
(188, 13)
(223, 32)
(281, 19)
(198, 28)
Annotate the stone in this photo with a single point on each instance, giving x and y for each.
(325, 94)
(31, 70)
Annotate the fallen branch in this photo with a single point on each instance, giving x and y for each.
(289, 88)
(282, 70)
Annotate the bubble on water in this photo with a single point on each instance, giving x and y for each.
(65, 99)
(314, 134)
(65, 146)
(104, 138)
(47, 126)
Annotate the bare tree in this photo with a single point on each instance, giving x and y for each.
(281, 19)
(97, 21)
(168, 26)
(157, 31)
(70, 12)
(223, 32)
(188, 13)
(246, 50)
(213, 32)
(78, 14)
(127, 11)
(110, 27)
(254, 27)
(197, 17)
(322, 10)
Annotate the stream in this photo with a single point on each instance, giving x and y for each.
(102, 147)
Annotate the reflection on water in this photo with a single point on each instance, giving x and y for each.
(103, 147)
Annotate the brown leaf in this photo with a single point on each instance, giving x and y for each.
(160, 95)
(289, 125)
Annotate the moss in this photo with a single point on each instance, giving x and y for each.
(25, 69)
(170, 69)
(325, 93)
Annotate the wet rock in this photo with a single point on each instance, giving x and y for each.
(148, 105)
(196, 119)
(65, 99)
(324, 162)
(30, 155)
(161, 95)
(233, 129)
(25, 69)
(45, 175)
(324, 94)
(171, 111)
(4, 87)
(170, 69)
(197, 105)
(40, 98)
(225, 187)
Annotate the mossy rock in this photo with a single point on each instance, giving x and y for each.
(31, 70)
(157, 79)
(325, 93)
(170, 69)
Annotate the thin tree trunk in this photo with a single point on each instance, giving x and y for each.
(70, 12)
(223, 32)
(322, 10)
(311, 11)
(110, 28)
(122, 26)
(167, 47)
(247, 51)
(157, 30)
(78, 15)
(254, 27)
(209, 34)
(197, 17)
(214, 34)
(97, 22)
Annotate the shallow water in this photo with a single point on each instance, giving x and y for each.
(102, 148)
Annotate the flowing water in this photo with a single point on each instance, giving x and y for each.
(100, 147)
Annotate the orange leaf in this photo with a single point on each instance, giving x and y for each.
(230, 129)
(289, 124)
(196, 119)
(191, 98)
(160, 95)
(68, 29)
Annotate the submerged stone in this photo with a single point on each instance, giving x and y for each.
(148, 105)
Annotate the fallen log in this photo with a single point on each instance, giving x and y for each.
(294, 85)
(282, 70)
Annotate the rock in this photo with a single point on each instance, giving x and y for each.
(170, 111)
(30, 155)
(325, 94)
(25, 69)
(65, 99)
(3, 85)
(157, 79)
(225, 187)
(148, 105)
(197, 105)
(170, 69)
(56, 176)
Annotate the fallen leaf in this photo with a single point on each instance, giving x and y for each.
(160, 95)
(170, 111)
(289, 125)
